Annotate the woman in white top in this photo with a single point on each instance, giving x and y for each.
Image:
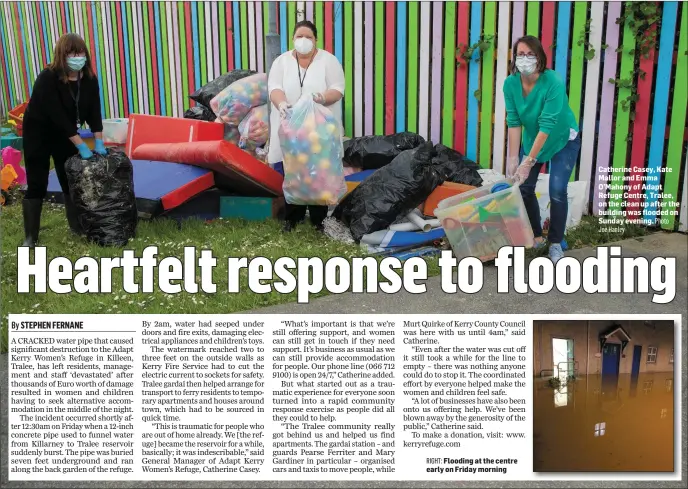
(305, 71)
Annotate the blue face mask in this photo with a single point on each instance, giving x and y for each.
(76, 63)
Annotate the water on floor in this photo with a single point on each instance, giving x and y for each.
(596, 424)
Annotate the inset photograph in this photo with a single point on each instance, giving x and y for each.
(603, 396)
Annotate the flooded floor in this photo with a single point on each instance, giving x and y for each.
(598, 425)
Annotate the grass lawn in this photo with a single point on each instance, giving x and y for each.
(225, 238)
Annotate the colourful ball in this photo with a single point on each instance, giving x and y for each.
(302, 158)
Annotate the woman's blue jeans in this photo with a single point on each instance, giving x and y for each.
(560, 169)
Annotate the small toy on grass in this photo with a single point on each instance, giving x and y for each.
(8, 178)
(11, 157)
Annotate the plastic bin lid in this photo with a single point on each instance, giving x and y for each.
(498, 187)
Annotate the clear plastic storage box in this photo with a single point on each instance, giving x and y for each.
(115, 131)
(479, 222)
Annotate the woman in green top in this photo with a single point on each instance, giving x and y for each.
(542, 129)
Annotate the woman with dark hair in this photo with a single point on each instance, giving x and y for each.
(304, 71)
(542, 129)
(65, 95)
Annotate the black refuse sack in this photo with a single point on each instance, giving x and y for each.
(373, 152)
(201, 113)
(102, 190)
(390, 192)
(208, 91)
(455, 167)
(397, 188)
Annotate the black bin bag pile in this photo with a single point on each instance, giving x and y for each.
(455, 167)
(402, 185)
(373, 152)
(201, 113)
(102, 190)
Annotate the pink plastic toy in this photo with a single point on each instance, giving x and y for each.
(12, 157)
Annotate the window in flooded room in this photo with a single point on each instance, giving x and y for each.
(663, 414)
(600, 428)
(668, 384)
(647, 386)
(651, 354)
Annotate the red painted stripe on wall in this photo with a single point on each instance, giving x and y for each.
(41, 24)
(154, 49)
(640, 130)
(547, 33)
(21, 50)
(329, 23)
(390, 80)
(230, 35)
(91, 39)
(189, 48)
(123, 70)
(64, 20)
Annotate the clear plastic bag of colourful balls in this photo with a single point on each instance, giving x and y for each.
(254, 128)
(310, 138)
(234, 103)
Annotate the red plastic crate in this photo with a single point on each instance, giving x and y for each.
(15, 115)
(145, 129)
(17, 112)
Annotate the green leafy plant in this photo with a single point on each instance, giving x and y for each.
(478, 94)
(627, 83)
(644, 21)
(583, 41)
(466, 52)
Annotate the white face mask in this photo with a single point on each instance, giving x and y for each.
(303, 45)
(526, 66)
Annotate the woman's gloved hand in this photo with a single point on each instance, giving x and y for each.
(511, 166)
(284, 109)
(84, 152)
(319, 98)
(100, 147)
(524, 170)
